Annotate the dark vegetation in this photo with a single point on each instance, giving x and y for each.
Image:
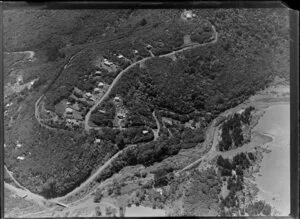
(199, 191)
(65, 156)
(235, 184)
(239, 163)
(259, 207)
(232, 133)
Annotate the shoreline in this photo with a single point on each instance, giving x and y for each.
(261, 152)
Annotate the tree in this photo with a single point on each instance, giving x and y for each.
(267, 210)
(143, 22)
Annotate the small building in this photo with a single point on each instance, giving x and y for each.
(20, 79)
(20, 158)
(117, 99)
(106, 62)
(77, 115)
(101, 111)
(145, 132)
(98, 72)
(68, 103)
(100, 84)
(69, 110)
(240, 111)
(149, 47)
(233, 172)
(97, 141)
(96, 90)
(121, 115)
(24, 196)
(159, 190)
(93, 98)
(188, 14)
(8, 105)
(88, 95)
(135, 51)
(120, 56)
(18, 144)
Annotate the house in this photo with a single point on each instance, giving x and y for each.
(75, 106)
(135, 51)
(98, 72)
(240, 111)
(117, 99)
(159, 190)
(145, 132)
(188, 14)
(72, 122)
(77, 115)
(233, 172)
(69, 110)
(68, 103)
(96, 90)
(121, 115)
(101, 84)
(93, 98)
(18, 144)
(101, 111)
(24, 196)
(97, 141)
(120, 56)
(149, 47)
(20, 158)
(106, 62)
(88, 95)
(19, 80)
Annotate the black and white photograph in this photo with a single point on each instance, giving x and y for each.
(146, 112)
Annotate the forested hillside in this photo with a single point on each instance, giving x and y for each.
(252, 48)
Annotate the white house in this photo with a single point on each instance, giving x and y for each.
(120, 56)
(88, 95)
(100, 84)
(117, 99)
(145, 132)
(18, 144)
(69, 110)
(135, 51)
(20, 158)
(106, 62)
(98, 73)
(188, 14)
(160, 191)
(96, 90)
(149, 46)
(97, 141)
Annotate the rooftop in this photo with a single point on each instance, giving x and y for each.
(20, 158)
